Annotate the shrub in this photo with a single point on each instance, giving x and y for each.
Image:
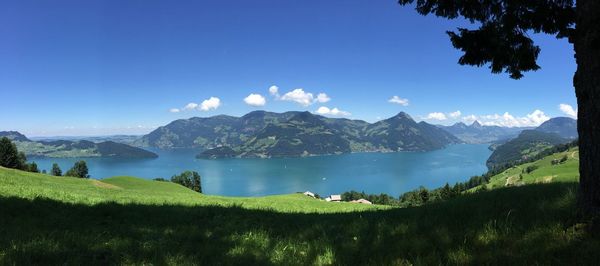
(189, 179)
(56, 170)
(32, 167)
(80, 170)
(531, 168)
(563, 159)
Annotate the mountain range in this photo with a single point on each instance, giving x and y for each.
(13, 135)
(79, 148)
(478, 134)
(125, 139)
(563, 126)
(267, 134)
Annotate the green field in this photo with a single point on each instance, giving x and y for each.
(125, 220)
(131, 190)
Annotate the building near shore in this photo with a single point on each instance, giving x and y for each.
(363, 201)
(310, 194)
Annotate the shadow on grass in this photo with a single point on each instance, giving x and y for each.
(525, 225)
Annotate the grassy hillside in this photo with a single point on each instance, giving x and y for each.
(124, 220)
(545, 171)
(528, 144)
(131, 190)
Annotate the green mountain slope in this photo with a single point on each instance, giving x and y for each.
(402, 133)
(81, 148)
(562, 126)
(74, 148)
(302, 134)
(527, 144)
(211, 132)
(266, 134)
(541, 171)
(13, 135)
(194, 132)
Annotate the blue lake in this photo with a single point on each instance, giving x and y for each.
(391, 173)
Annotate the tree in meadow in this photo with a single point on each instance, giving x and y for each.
(32, 167)
(56, 170)
(189, 179)
(80, 170)
(446, 192)
(10, 156)
(423, 195)
(196, 185)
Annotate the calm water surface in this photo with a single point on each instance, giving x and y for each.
(391, 173)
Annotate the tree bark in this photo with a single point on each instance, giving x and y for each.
(586, 41)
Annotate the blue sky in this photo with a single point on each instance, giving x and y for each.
(124, 67)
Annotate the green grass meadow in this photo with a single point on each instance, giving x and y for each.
(48, 220)
(544, 173)
(131, 190)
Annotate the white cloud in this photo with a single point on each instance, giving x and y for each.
(255, 100)
(322, 98)
(470, 118)
(299, 96)
(455, 114)
(537, 117)
(436, 116)
(274, 90)
(507, 120)
(568, 110)
(211, 103)
(208, 104)
(190, 106)
(397, 100)
(334, 112)
(304, 98)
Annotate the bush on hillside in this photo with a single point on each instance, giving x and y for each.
(32, 167)
(189, 179)
(563, 159)
(530, 168)
(56, 170)
(79, 170)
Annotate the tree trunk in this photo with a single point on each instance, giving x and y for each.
(587, 88)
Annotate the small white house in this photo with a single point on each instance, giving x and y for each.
(328, 199)
(310, 194)
(336, 197)
(363, 201)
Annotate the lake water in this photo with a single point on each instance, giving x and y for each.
(391, 173)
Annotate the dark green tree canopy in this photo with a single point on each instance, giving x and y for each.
(189, 179)
(32, 167)
(10, 157)
(56, 170)
(80, 170)
(502, 38)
